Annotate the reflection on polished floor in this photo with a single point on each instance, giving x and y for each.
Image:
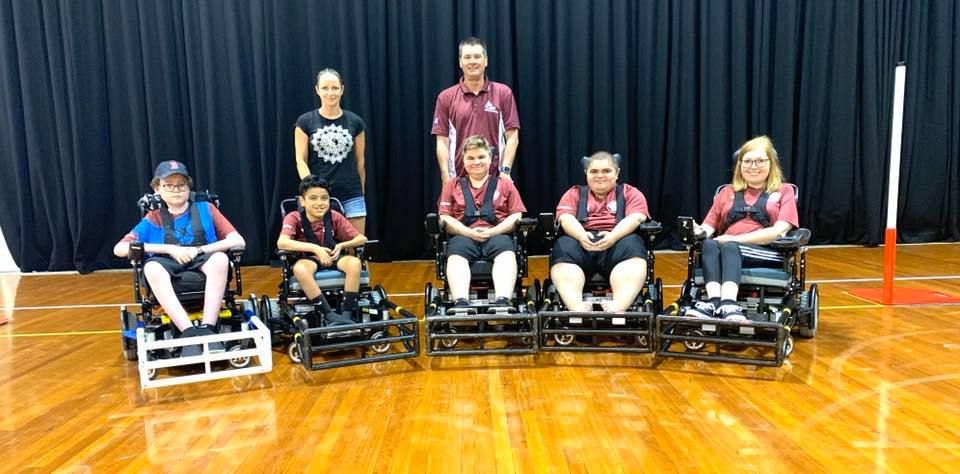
(876, 390)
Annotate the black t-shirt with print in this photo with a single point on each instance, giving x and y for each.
(331, 150)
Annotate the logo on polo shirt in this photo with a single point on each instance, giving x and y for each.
(612, 207)
(332, 143)
(490, 108)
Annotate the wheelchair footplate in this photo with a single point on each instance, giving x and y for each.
(595, 331)
(481, 329)
(248, 351)
(386, 332)
(751, 342)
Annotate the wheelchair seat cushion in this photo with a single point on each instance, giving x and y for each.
(328, 279)
(776, 277)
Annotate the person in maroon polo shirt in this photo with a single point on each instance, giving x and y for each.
(480, 210)
(754, 210)
(598, 221)
(475, 106)
(322, 237)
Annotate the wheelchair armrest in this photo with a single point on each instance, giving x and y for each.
(686, 233)
(794, 239)
(649, 228)
(526, 225)
(374, 251)
(433, 224)
(547, 224)
(236, 251)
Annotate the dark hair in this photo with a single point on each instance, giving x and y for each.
(471, 41)
(311, 181)
(330, 71)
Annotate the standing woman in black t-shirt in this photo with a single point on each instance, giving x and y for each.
(330, 143)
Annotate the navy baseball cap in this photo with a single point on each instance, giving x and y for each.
(171, 167)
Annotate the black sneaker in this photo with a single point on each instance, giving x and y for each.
(731, 312)
(206, 330)
(701, 309)
(191, 350)
(334, 318)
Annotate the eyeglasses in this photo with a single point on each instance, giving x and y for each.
(759, 162)
(174, 187)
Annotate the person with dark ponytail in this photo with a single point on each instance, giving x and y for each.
(330, 143)
(322, 237)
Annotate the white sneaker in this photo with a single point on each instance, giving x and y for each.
(731, 312)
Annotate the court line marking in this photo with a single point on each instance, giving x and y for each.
(71, 333)
(410, 295)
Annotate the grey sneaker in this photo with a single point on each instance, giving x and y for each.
(701, 309)
(191, 350)
(205, 330)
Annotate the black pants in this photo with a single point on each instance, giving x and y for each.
(723, 261)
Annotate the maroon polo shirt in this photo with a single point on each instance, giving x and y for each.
(781, 206)
(343, 230)
(460, 114)
(506, 200)
(602, 213)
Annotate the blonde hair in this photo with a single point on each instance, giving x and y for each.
(774, 179)
(474, 141)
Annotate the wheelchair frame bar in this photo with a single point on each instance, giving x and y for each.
(672, 323)
(407, 325)
(262, 351)
(591, 317)
(480, 319)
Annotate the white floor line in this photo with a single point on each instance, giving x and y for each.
(420, 294)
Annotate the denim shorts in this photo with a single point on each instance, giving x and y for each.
(355, 207)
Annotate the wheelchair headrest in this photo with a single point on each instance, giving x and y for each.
(151, 201)
(586, 160)
(289, 205)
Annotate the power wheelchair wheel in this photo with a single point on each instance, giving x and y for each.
(810, 301)
(380, 348)
(694, 346)
(293, 352)
(787, 346)
(128, 322)
(450, 343)
(564, 339)
(266, 310)
(238, 362)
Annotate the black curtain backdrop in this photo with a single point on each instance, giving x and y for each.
(94, 94)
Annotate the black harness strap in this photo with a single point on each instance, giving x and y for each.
(169, 232)
(585, 195)
(307, 229)
(470, 212)
(740, 210)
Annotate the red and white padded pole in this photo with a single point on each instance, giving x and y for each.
(893, 188)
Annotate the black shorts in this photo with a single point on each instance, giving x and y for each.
(175, 269)
(568, 250)
(184, 277)
(317, 261)
(473, 250)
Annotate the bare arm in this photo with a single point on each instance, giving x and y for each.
(184, 254)
(510, 148)
(455, 227)
(284, 242)
(300, 142)
(760, 236)
(625, 227)
(359, 147)
(443, 158)
(505, 226)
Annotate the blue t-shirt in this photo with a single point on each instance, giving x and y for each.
(149, 232)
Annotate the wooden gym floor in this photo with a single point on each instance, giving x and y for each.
(877, 390)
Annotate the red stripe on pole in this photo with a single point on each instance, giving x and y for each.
(889, 265)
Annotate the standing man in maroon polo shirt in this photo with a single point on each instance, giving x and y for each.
(475, 106)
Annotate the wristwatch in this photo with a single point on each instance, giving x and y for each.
(505, 169)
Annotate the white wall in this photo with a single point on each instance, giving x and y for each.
(6, 260)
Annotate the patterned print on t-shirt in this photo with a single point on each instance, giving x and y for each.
(332, 143)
